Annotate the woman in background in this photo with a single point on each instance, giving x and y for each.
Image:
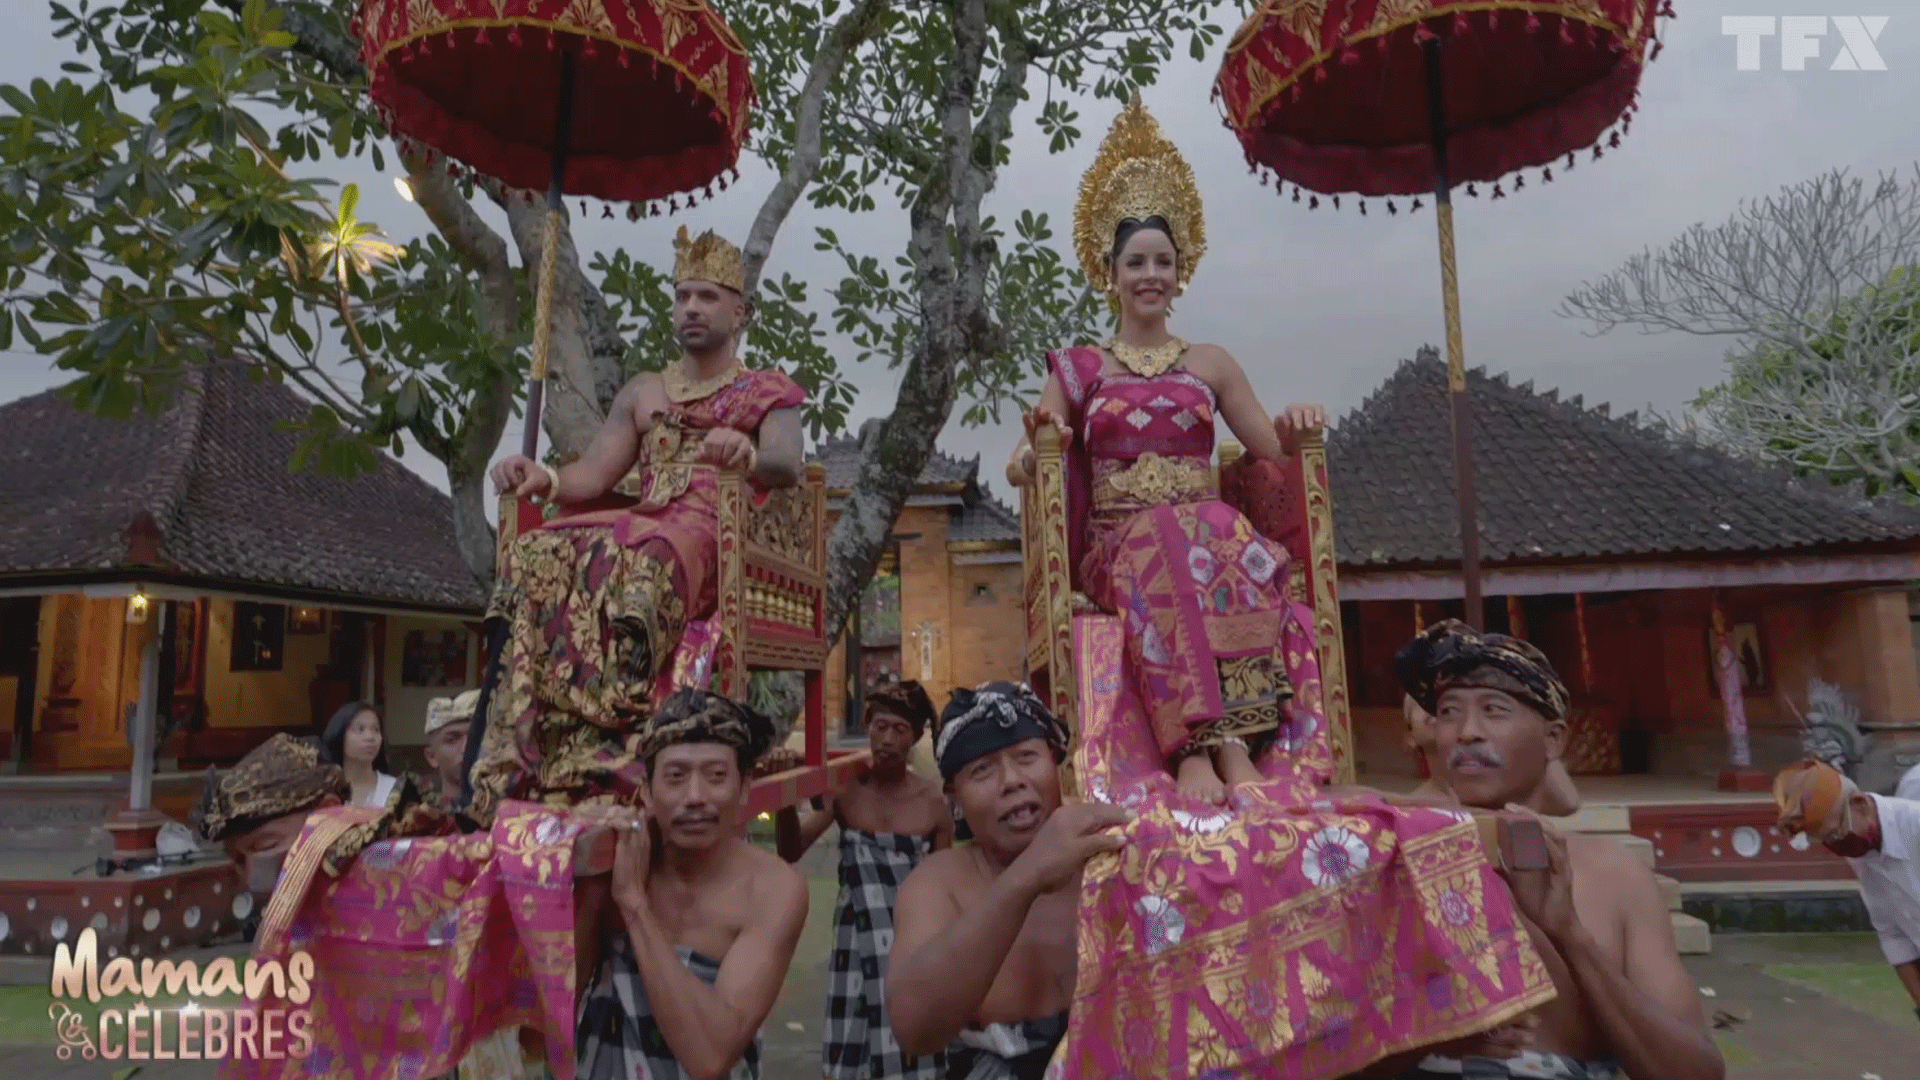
(356, 742)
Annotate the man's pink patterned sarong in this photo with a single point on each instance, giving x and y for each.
(1289, 936)
(425, 946)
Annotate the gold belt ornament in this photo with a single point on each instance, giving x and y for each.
(1153, 480)
(665, 471)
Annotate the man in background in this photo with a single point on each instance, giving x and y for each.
(889, 821)
(1879, 837)
(256, 809)
(448, 720)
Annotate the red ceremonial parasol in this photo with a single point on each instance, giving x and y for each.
(611, 99)
(1397, 98)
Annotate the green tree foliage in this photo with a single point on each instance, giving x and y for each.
(1817, 289)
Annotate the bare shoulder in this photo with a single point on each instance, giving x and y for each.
(1207, 354)
(1602, 853)
(1212, 363)
(639, 385)
(931, 789)
(1628, 878)
(776, 885)
(937, 876)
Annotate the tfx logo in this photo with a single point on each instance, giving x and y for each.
(1800, 40)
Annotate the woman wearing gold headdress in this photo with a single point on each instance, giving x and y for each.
(1300, 931)
(1201, 593)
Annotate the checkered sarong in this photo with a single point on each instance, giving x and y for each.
(859, 1043)
(618, 1038)
(1007, 1051)
(1529, 1065)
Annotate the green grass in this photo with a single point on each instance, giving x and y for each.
(1731, 1050)
(24, 1020)
(1871, 988)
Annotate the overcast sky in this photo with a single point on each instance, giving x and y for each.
(1320, 306)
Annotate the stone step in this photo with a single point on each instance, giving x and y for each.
(1598, 818)
(1639, 845)
(1693, 936)
(1670, 889)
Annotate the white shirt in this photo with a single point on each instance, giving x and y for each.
(1890, 880)
(383, 786)
(1909, 785)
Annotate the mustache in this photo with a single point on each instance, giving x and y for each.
(1476, 754)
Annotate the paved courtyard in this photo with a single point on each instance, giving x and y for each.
(1794, 1007)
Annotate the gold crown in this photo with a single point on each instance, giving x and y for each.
(1137, 174)
(708, 258)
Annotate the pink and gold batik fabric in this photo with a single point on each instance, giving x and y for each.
(1289, 934)
(425, 946)
(1198, 590)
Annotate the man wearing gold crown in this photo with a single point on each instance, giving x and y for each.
(1253, 921)
(594, 603)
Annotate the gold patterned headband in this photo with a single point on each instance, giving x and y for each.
(707, 258)
(1138, 174)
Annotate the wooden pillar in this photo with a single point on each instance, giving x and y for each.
(1516, 618)
(1586, 651)
(136, 831)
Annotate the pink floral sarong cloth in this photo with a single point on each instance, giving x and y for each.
(425, 946)
(1288, 935)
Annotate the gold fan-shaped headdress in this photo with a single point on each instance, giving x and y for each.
(708, 257)
(1137, 174)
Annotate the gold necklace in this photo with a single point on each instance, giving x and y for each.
(1147, 362)
(680, 390)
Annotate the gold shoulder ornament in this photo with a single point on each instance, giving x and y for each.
(681, 389)
(1137, 174)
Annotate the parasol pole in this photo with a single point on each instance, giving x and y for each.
(1456, 351)
(549, 258)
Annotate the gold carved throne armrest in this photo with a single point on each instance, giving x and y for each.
(1051, 601)
(1291, 502)
(770, 591)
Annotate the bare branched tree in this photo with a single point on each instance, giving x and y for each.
(1819, 289)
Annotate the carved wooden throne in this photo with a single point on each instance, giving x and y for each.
(769, 615)
(1287, 502)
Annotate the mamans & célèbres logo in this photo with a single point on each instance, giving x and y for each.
(167, 1010)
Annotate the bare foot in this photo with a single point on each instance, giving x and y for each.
(1236, 767)
(1197, 779)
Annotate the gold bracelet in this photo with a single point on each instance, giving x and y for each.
(753, 457)
(553, 481)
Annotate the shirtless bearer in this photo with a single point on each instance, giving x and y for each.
(888, 822)
(985, 947)
(1626, 1004)
(702, 923)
